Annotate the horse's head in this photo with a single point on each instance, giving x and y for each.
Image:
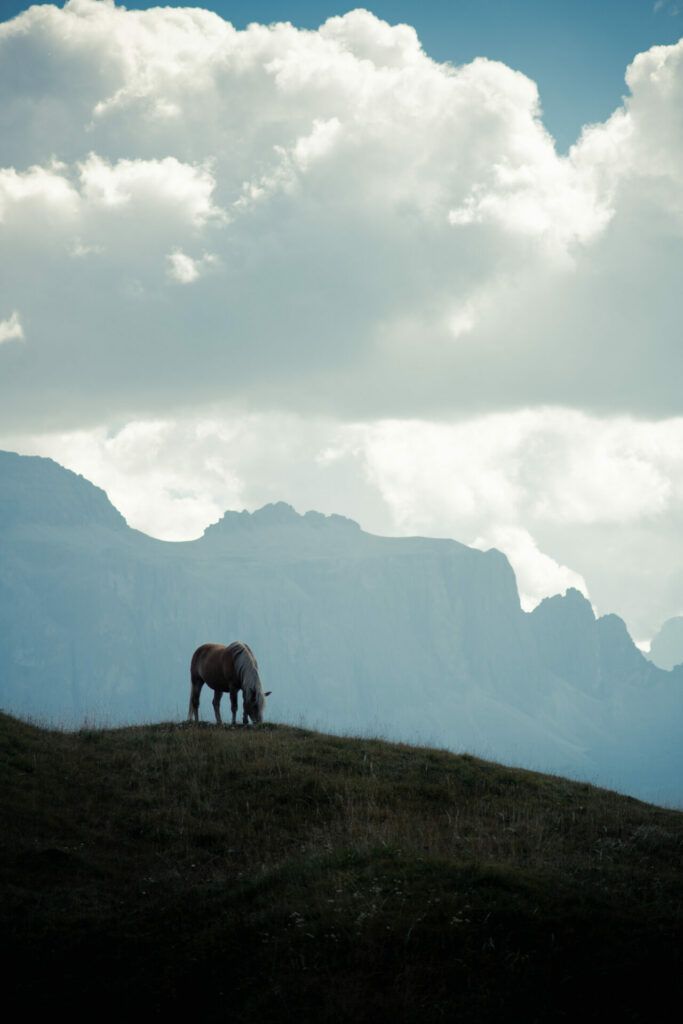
(255, 705)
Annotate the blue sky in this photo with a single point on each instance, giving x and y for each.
(576, 50)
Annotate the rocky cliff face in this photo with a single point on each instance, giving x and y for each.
(410, 638)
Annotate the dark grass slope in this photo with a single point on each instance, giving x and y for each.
(263, 874)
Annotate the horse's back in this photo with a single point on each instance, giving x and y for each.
(205, 652)
(212, 663)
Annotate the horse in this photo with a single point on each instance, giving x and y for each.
(227, 670)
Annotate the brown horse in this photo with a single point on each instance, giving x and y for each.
(227, 670)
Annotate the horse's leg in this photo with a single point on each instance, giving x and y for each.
(195, 690)
(245, 716)
(233, 705)
(217, 694)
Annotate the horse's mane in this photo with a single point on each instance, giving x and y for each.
(249, 677)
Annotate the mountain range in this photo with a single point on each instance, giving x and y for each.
(410, 638)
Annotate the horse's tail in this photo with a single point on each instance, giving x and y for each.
(194, 674)
(196, 683)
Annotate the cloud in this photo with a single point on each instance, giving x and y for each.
(187, 190)
(11, 328)
(185, 269)
(182, 268)
(393, 236)
(554, 465)
(39, 191)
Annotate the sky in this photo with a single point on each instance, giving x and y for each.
(418, 265)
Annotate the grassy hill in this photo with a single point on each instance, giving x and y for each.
(255, 875)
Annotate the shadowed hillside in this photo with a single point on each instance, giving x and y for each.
(264, 873)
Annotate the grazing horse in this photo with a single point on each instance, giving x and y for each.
(227, 670)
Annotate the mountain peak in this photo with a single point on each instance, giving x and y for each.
(275, 515)
(34, 489)
(572, 602)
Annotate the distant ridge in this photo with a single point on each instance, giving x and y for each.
(412, 638)
(279, 513)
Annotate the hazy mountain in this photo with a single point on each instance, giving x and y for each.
(666, 649)
(409, 638)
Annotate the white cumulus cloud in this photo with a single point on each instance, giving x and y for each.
(393, 236)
